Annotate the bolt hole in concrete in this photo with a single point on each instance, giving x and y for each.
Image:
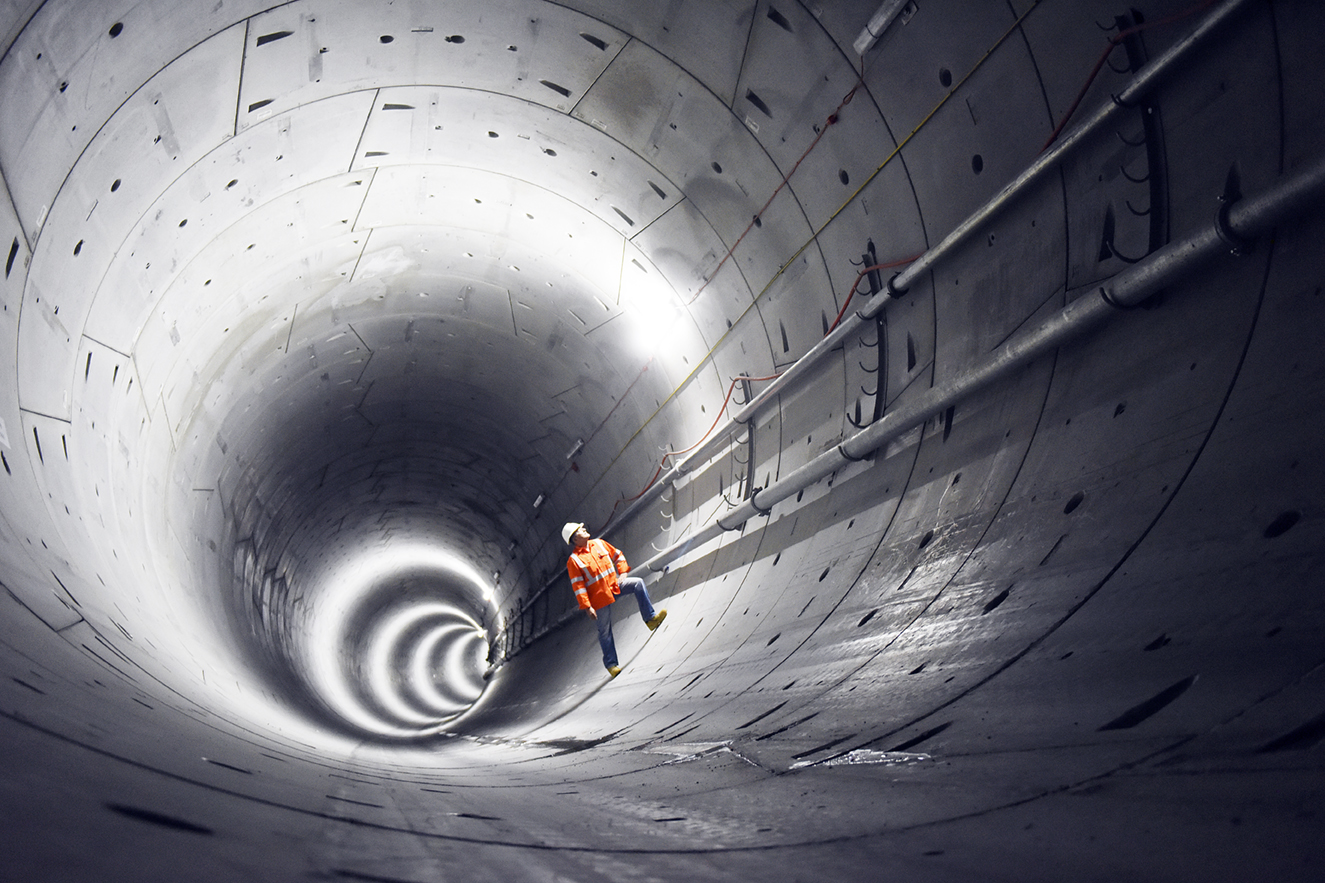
(995, 601)
(1150, 707)
(155, 818)
(1282, 524)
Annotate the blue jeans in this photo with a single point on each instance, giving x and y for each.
(632, 585)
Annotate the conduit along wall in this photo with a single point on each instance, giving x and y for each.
(305, 390)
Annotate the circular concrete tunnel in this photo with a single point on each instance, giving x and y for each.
(325, 316)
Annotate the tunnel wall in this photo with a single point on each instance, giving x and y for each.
(1092, 584)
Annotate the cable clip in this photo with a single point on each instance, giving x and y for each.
(841, 449)
(1237, 244)
(1107, 296)
(754, 504)
(893, 291)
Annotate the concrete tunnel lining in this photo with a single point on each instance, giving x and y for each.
(308, 326)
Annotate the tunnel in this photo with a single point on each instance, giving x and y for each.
(952, 374)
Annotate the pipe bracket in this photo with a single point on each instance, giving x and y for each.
(1108, 298)
(754, 504)
(1237, 244)
(848, 457)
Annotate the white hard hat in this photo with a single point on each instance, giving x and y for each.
(569, 530)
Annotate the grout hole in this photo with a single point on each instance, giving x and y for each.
(156, 818)
(273, 37)
(1308, 735)
(1140, 712)
(780, 20)
(759, 103)
(1282, 524)
(996, 600)
(1159, 642)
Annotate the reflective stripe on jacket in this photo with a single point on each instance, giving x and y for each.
(593, 574)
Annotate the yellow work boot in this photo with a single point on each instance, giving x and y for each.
(614, 670)
(657, 620)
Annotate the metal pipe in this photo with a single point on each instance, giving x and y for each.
(1241, 222)
(738, 421)
(877, 24)
(1144, 81)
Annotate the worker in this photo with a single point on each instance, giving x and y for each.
(597, 575)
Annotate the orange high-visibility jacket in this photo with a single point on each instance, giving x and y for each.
(593, 574)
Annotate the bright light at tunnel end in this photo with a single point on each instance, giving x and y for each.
(328, 637)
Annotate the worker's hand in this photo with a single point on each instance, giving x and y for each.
(593, 614)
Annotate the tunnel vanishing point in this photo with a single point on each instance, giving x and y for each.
(952, 372)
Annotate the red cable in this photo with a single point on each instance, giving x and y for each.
(730, 389)
(1114, 42)
(657, 472)
(861, 275)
